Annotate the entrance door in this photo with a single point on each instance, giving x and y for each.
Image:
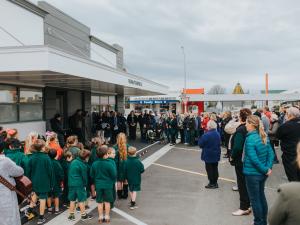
(61, 106)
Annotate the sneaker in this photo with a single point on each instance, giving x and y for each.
(71, 217)
(235, 188)
(41, 220)
(50, 210)
(86, 217)
(212, 186)
(133, 206)
(56, 212)
(241, 212)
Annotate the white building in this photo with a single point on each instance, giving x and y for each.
(51, 63)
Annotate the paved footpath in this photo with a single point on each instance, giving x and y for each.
(173, 193)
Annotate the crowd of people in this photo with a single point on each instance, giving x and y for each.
(66, 170)
(250, 139)
(69, 175)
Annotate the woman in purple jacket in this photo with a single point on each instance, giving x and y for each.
(210, 143)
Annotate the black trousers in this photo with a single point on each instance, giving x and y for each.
(272, 142)
(132, 132)
(212, 172)
(181, 135)
(241, 183)
(291, 170)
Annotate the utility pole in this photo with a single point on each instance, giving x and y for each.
(184, 97)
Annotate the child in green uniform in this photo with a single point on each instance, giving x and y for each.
(104, 175)
(58, 179)
(111, 158)
(65, 163)
(121, 156)
(77, 182)
(133, 170)
(40, 172)
(13, 151)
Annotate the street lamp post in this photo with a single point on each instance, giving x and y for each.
(183, 96)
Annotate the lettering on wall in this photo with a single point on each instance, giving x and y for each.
(134, 82)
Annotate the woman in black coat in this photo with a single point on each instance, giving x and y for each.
(56, 126)
(132, 122)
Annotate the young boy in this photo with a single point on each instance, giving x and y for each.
(77, 182)
(13, 151)
(104, 175)
(58, 179)
(40, 172)
(133, 170)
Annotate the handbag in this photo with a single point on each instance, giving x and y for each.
(23, 187)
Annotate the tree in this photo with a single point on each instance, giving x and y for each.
(215, 90)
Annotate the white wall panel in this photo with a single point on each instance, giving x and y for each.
(21, 23)
(103, 55)
(25, 128)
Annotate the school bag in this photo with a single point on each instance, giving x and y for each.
(231, 126)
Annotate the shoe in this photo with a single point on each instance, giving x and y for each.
(86, 217)
(50, 210)
(133, 206)
(71, 217)
(56, 212)
(235, 188)
(241, 212)
(78, 209)
(41, 220)
(212, 186)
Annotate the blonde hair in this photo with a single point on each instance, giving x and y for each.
(50, 138)
(30, 139)
(257, 123)
(298, 155)
(122, 145)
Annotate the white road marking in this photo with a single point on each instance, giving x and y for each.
(128, 217)
(147, 147)
(63, 217)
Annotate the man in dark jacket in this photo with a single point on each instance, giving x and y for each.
(57, 127)
(289, 136)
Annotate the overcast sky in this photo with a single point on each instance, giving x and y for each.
(225, 41)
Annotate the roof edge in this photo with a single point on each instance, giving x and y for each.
(103, 44)
(30, 7)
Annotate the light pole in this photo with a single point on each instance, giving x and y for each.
(183, 96)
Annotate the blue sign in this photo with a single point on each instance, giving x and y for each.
(145, 102)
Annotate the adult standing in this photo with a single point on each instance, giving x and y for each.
(132, 123)
(258, 161)
(173, 128)
(225, 120)
(274, 125)
(210, 143)
(289, 135)
(57, 127)
(285, 210)
(76, 124)
(9, 209)
(237, 151)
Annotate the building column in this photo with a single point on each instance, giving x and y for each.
(120, 105)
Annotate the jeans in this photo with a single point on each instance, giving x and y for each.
(186, 136)
(256, 191)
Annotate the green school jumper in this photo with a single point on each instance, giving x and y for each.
(17, 156)
(120, 164)
(93, 156)
(77, 179)
(133, 170)
(113, 162)
(58, 178)
(104, 175)
(40, 172)
(26, 160)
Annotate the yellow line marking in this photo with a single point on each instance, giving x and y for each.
(192, 172)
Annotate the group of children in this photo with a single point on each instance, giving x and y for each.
(73, 174)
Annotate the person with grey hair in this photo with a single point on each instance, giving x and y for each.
(210, 143)
(289, 135)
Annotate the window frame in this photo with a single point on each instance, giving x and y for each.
(18, 103)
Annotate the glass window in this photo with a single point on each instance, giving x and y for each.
(8, 94)
(30, 112)
(28, 95)
(112, 100)
(8, 113)
(104, 100)
(95, 100)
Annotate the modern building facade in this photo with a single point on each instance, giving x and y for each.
(51, 63)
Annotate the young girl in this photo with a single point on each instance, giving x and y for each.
(111, 158)
(121, 156)
(71, 146)
(30, 139)
(52, 143)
